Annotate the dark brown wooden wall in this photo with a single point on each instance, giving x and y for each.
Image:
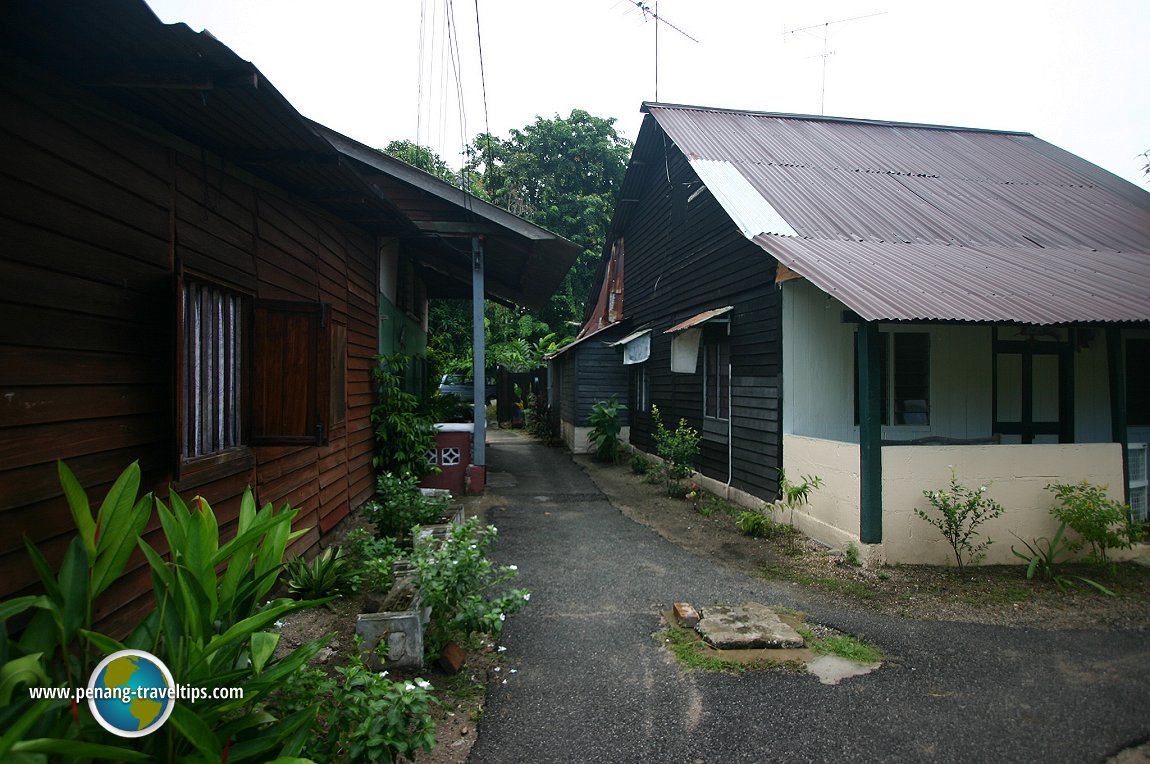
(677, 266)
(96, 221)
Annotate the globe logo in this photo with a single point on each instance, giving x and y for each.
(131, 693)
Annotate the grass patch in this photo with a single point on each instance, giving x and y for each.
(689, 649)
(844, 646)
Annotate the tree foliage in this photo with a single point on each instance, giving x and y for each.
(562, 174)
(423, 158)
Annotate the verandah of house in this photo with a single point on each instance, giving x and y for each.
(1012, 406)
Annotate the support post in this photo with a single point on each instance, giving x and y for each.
(870, 433)
(479, 357)
(1116, 367)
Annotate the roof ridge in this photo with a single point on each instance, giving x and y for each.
(649, 105)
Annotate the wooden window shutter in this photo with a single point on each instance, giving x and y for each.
(291, 373)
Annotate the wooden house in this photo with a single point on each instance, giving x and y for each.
(196, 277)
(873, 303)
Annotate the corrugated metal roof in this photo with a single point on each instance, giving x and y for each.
(701, 318)
(919, 222)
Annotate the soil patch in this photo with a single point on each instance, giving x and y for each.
(999, 595)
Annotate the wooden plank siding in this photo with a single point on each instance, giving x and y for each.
(678, 266)
(99, 224)
(601, 374)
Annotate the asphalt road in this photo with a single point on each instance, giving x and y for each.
(592, 684)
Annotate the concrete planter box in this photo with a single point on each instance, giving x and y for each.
(399, 626)
(438, 531)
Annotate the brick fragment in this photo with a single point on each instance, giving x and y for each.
(686, 614)
(451, 658)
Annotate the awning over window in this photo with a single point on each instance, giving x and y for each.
(685, 343)
(636, 347)
(702, 318)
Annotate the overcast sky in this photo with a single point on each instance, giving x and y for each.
(1073, 73)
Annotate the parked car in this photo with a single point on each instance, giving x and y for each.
(458, 384)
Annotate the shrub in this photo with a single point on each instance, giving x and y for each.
(399, 505)
(961, 510)
(605, 429)
(1098, 520)
(371, 558)
(364, 716)
(403, 432)
(678, 448)
(640, 464)
(540, 421)
(459, 582)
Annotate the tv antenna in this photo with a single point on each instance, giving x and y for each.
(649, 13)
(826, 33)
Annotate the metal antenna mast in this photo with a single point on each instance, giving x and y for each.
(825, 26)
(654, 14)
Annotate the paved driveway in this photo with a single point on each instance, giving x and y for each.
(592, 684)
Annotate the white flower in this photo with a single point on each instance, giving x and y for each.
(501, 649)
(423, 684)
(498, 669)
(513, 567)
(409, 686)
(502, 617)
(504, 681)
(382, 674)
(527, 596)
(982, 489)
(513, 671)
(279, 624)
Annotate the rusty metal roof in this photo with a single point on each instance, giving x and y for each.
(904, 221)
(698, 319)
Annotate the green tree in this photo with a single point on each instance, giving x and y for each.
(563, 174)
(423, 158)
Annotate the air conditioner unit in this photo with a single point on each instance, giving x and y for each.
(1137, 456)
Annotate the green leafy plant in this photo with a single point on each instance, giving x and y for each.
(399, 505)
(677, 448)
(640, 464)
(363, 715)
(329, 574)
(794, 495)
(371, 557)
(461, 584)
(605, 428)
(760, 523)
(404, 432)
(209, 627)
(1098, 520)
(58, 646)
(1045, 559)
(379, 720)
(852, 555)
(960, 511)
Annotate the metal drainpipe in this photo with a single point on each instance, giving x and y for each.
(730, 423)
(479, 356)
